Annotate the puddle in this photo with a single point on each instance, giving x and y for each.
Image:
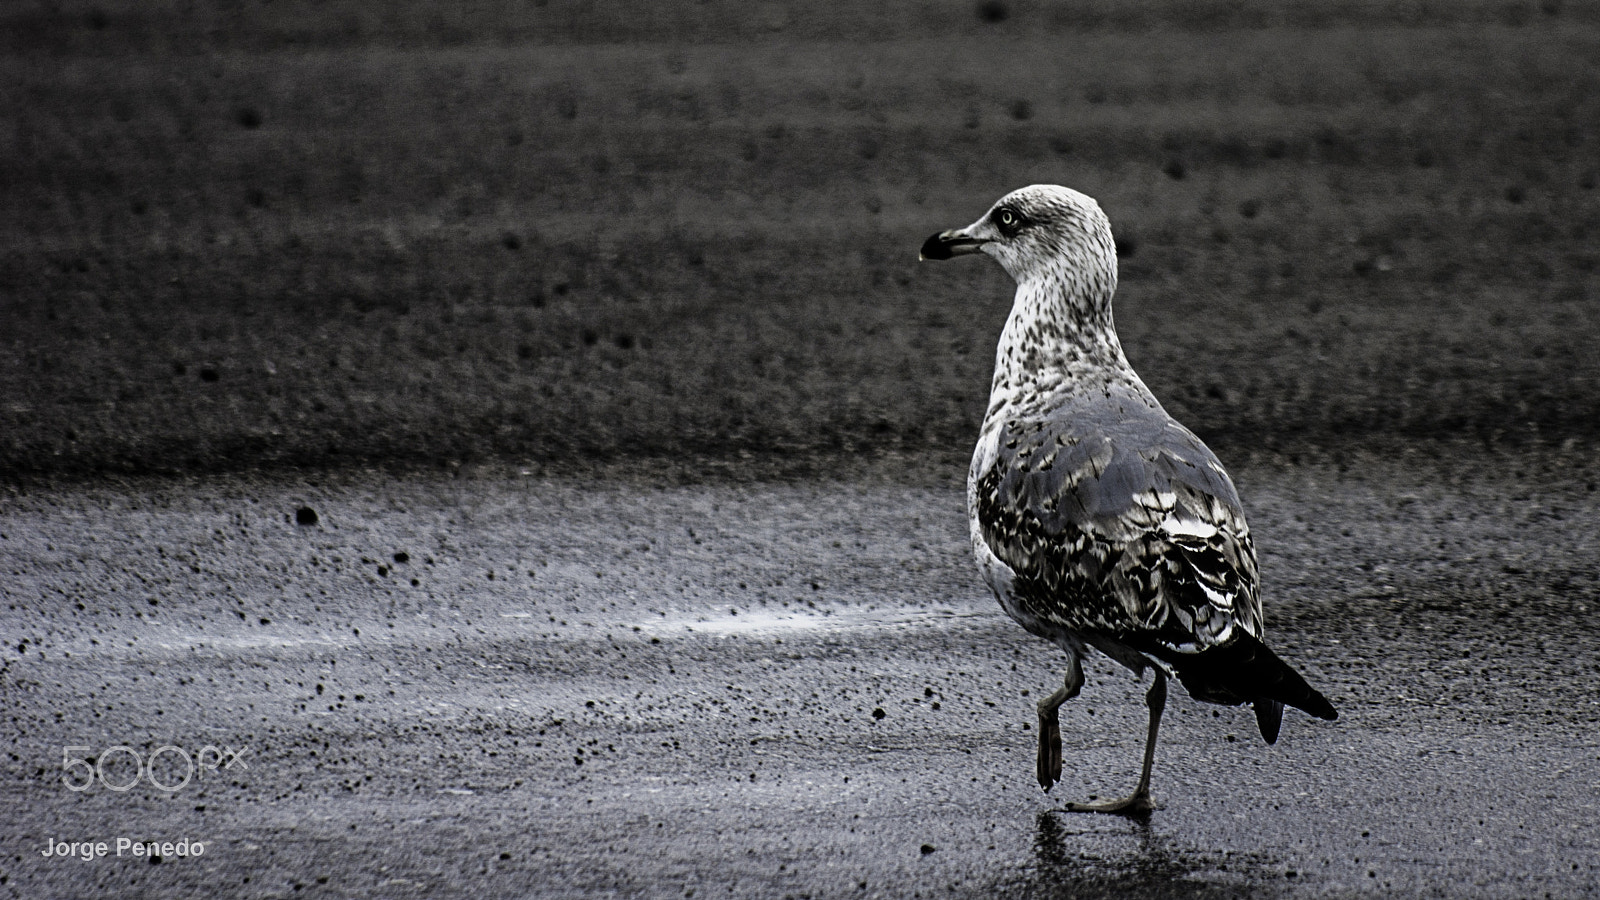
(1087, 857)
(752, 623)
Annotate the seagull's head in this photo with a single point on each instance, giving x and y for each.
(1040, 233)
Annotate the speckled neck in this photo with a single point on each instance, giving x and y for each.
(1059, 339)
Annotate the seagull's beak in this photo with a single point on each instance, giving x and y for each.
(955, 242)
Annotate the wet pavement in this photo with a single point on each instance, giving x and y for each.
(513, 684)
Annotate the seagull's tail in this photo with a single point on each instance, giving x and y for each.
(1247, 671)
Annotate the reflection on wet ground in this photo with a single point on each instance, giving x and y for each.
(493, 687)
(1081, 856)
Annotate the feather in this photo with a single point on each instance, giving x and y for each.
(1097, 518)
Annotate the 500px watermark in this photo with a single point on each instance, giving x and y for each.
(121, 767)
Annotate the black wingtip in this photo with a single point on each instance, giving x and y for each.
(1318, 705)
(1247, 671)
(1269, 717)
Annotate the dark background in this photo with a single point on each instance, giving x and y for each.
(243, 235)
(544, 260)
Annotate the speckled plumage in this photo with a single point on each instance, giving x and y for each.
(1115, 523)
(1097, 519)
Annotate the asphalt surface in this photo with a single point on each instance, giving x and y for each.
(328, 234)
(665, 259)
(509, 683)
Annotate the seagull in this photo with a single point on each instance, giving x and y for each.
(1098, 520)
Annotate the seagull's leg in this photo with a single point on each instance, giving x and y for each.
(1049, 768)
(1137, 803)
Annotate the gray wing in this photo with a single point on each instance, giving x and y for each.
(1117, 520)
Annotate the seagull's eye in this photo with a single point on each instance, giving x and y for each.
(1008, 220)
